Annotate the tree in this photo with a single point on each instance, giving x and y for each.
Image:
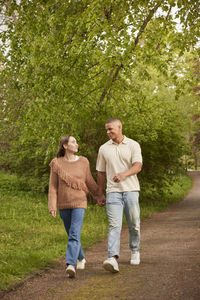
(71, 65)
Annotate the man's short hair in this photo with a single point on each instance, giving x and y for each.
(111, 120)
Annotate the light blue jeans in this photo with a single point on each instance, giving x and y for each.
(116, 203)
(73, 220)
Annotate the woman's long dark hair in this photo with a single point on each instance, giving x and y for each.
(63, 141)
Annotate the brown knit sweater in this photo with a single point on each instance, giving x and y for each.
(69, 183)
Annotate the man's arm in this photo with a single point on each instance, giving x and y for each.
(101, 176)
(135, 169)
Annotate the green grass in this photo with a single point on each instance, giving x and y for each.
(172, 193)
(31, 239)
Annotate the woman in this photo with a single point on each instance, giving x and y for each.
(70, 180)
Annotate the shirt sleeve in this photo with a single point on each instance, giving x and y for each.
(101, 163)
(136, 152)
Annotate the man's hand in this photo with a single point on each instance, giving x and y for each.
(135, 169)
(101, 200)
(119, 177)
(53, 213)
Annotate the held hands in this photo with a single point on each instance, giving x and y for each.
(119, 177)
(101, 200)
(53, 213)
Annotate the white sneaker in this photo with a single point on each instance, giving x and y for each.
(80, 265)
(71, 271)
(135, 258)
(111, 265)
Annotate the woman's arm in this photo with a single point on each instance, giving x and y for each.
(53, 191)
(94, 189)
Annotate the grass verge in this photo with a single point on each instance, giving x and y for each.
(31, 239)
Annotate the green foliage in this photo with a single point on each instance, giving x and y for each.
(71, 65)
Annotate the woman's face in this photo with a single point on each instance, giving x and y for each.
(72, 145)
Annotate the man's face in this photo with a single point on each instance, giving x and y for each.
(114, 130)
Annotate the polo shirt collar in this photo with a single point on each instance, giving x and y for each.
(125, 141)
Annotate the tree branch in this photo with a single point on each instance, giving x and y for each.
(90, 92)
(144, 25)
(167, 17)
(117, 68)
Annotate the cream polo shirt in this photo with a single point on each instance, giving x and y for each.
(116, 158)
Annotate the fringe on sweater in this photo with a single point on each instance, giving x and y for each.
(71, 181)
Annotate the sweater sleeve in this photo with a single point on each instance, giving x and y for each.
(53, 191)
(90, 182)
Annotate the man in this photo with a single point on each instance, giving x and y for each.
(120, 160)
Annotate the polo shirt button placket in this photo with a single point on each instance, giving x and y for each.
(117, 150)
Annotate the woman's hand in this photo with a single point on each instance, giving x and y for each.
(53, 213)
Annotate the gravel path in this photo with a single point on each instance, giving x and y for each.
(169, 269)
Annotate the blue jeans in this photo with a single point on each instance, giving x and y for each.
(116, 202)
(73, 220)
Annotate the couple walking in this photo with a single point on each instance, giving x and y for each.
(119, 161)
